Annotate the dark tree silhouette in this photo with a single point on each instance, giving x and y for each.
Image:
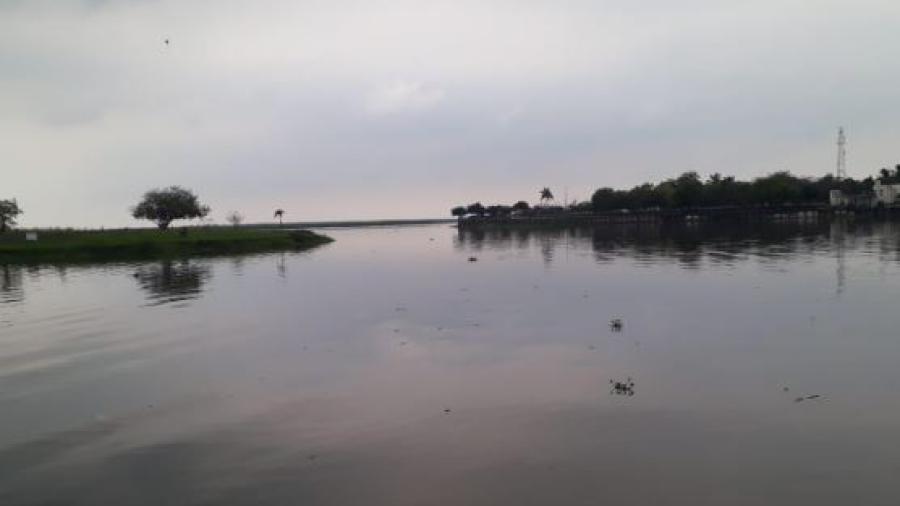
(688, 190)
(9, 211)
(546, 195)
(521, 206)
(279, 213)
(458, 211)
(165, 205)
(498, 210)
(476, 208)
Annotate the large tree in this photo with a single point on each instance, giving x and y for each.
(164, 205)
(9, 210)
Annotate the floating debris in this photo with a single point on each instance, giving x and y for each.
(785, 389)
(473, 259)
(622, 387)
(616, 324)
(446, 410)
(804, 397)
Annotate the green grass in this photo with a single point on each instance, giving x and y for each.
(59, 246)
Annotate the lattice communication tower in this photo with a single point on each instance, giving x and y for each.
(841, 172)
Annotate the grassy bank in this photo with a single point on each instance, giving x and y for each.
(356, 224)
(110, 245)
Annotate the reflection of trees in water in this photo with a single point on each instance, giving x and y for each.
(10, 284)
(689, 246)
(505, 239)
(472, 239)
(881, 237)
(237, 265)
(281, 266)
(173, 281)
(549, 240)
(877, 238)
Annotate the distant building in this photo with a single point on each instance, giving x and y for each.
(886, 194)
(837, 198)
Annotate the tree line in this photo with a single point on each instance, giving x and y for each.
(691, 190)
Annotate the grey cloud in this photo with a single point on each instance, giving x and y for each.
(318, 104)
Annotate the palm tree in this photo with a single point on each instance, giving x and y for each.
(546, 195)
(279, 213)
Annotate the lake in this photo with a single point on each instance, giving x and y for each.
(755, 365)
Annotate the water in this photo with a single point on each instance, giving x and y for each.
(387, 369)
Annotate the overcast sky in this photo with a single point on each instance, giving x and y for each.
(341, 109)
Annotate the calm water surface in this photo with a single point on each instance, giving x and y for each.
(387, 369)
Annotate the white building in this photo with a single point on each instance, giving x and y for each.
(886, 193)
(837, 198)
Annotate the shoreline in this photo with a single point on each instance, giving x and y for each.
(781, 213)
(352, 223)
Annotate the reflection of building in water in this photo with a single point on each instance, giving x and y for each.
(173, 281)
(838, 239)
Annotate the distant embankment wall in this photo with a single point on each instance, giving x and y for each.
(754, 213)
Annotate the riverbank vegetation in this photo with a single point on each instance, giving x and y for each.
(162, 206)
(65, 246)
(690, 190)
